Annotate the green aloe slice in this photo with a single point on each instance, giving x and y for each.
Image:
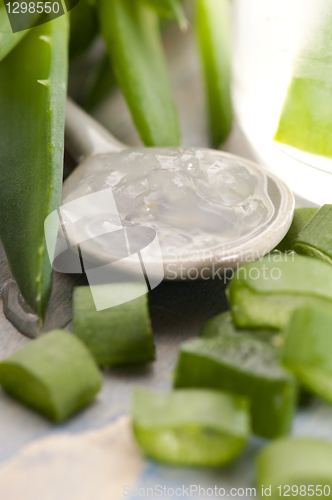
(120, 335)
(191, 427)
(213, 25)
(32, 108)
(264, 294)
(307, 350)
(306, 117)
(54, 374)
(243, 365)
(287, 464)
(132, 35)
(223, 323)
(315, 239)
(300, 220)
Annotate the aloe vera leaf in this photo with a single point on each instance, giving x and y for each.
(83, 27)
(169, 9)
(198, 427)
(265, 293)
(306, 118)
(131, 33)
(300, 220)
(315, 239)
(32, 108)
(213, 24)
(8, 39)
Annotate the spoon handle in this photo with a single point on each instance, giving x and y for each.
(85, 136)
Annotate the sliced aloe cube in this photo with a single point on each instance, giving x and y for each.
(54, 374)
(315, 239)
(223, 323)
(306, 117)
(191, 427)
(307, 350)
(242, 365)
(295, 467)
(120, 335)
(264, 294)
(300, 220)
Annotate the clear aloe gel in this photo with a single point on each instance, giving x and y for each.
(196, 199)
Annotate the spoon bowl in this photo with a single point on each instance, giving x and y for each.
(209, 210)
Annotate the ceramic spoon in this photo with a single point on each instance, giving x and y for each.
(210, 210)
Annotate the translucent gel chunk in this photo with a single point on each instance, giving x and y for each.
(195, 199)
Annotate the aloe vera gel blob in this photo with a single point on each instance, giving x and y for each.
(205, 206)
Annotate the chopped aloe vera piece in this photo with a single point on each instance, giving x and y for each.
(264, 294)
(191, 427)
(223, 323)
(296, 467)
(315, 239)
(300, 220)
(307, 350)
(54, 374)
(120, 335)
(306, 117)
(243, 365)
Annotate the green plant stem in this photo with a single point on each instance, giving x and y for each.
(214, 36)
(131, 32)
(32, 108)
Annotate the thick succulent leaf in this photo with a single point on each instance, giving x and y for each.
(131, 32)
(213, 23)
(32, 109)
(8, 39)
